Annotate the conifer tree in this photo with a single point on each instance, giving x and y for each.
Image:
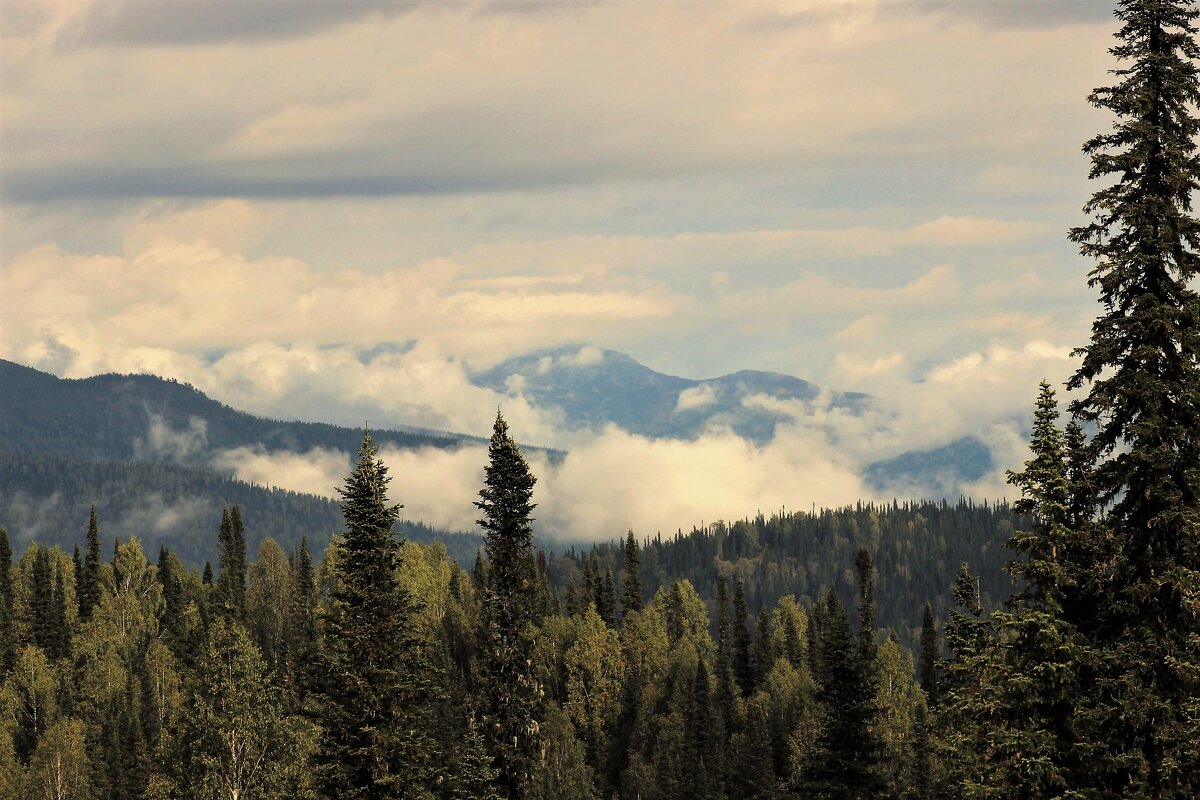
(58, 643)
(206, 577)
(512, 696)
(631, 576)
(763, 656)
(606, 601)
(377, 693)
(929, 657)
(847, 760)
(1141, 372)
(8, 635)
(88, 589)
(725, 679)
(231, 561)
(706, 742)
(741, 639)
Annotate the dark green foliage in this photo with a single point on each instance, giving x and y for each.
(606, 600)
(864, 565)
(631, 576)
(512, 696)
(8, 643)
(741, 639)
(88, 588)
(726, 682)
(846, 766)
(1141, 371)
(376, 691)
(206, 577)
(763, 656)
(58, 641)
(930, 655)
(706, 764)
(230, 588)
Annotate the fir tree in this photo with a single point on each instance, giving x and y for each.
(206, 577)
(847, 761)
(741, 639)
(88, 588)
(231, 560)
(763, 656)
(512, 696)
(8, 635)
(58, 642)
(606, 601)
(376, 694)
(725, 691)
(631, 576)
(1141, 371)
(929, 657)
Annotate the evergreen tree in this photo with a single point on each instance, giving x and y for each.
(864, 565)
(512, 696)
(58, 641)
(741, 639)
(846, 766)
(1141, 371)
(706, 742)
(88, 588)
(230, 587)
(206, 577)
(725, 692)
(376, 693)
(606, 601)
(763, 656)
(8, 634)
(929, 657)
(631, 576)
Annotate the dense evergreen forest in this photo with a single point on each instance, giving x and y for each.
(383, 670)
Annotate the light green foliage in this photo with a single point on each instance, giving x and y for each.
(595, 671)
(59, 768)
(561, 772)
(30, 699)
(235, 741)
(898, 698)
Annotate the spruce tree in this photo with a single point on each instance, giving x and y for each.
(929, 657)
(512, 696)
(606, 600)
(763, 656)
(88, 588)
(741, 639)
(231, 561)
(1034, 746)
(376, 691)
(726, 693)
(848, 750)
(631, 576)
(8, 635)
(1141, 372)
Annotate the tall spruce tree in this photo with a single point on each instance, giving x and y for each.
(512, 696)
(929, 657)
(631, 576)
(231, 561)
(741, 639)
(8, 634)
(89, 584)
(846, 766)
(1141, 371)
(377, 696)
(1034, 745)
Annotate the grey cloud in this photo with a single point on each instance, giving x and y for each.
(193, 22)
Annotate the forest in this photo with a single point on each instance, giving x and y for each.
(712, 665)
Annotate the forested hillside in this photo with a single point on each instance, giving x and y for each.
(47, 500)
(918, 548)
(144, 418)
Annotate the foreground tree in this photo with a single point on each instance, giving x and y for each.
(1141, 371)
(376, 691)
(512, 697)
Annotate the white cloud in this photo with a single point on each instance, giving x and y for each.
(696, 397)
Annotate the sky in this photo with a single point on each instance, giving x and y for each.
(337, 211)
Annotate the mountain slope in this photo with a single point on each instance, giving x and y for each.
(593, 388)
(144, 418)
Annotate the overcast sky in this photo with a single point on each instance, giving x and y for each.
(323, 209)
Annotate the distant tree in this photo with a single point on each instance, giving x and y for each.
(631, 576)
(88, 589)
(230, 587)
(8, 634)
(741, 639)
(929, 656)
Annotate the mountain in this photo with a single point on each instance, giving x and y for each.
(142, 450)
(592, 388)
(145, 418)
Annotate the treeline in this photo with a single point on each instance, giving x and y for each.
(918, 547)
(383, 670)
(169, 506)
